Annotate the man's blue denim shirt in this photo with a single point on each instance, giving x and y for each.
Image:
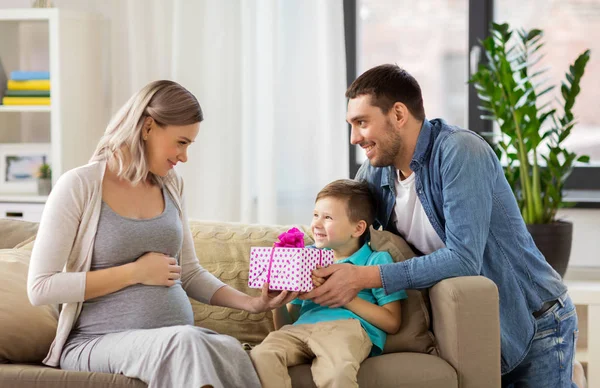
(469, 203)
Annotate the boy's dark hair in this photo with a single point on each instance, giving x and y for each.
(388, 84)
(360, 203)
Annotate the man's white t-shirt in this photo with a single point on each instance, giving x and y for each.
(410, 218)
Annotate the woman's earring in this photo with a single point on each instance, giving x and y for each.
(145, 137)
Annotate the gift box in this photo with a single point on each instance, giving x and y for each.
(287, 265)
(286, 268)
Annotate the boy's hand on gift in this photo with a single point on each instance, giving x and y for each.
(317, 281)
(270, 300)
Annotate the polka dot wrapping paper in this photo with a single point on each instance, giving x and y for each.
(290, 268)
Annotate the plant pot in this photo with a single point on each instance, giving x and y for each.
(554, 241)
(44, 186)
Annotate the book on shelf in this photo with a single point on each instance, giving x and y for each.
(3, 80)
(26, 101)
(27, 93)
(20, 75)
(28, 85)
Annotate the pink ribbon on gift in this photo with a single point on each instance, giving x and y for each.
(293, 238)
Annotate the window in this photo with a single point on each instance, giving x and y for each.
(428, 38)
(431, 40)
(570, 27)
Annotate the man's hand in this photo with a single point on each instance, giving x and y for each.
(270, 300)
(343, 283)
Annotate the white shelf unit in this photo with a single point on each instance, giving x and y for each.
(29, 108)
(586, 297)
(71, 46)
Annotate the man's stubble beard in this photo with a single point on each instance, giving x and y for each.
(389, 149)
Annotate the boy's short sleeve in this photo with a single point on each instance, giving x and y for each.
(297, 301)
(379, 258)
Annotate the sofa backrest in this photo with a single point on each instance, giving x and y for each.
(415, 333)
(13, 232)
(224, 250)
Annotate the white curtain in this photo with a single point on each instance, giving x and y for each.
(294, 133)
(270, 77)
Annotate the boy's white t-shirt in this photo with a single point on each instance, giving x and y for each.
(410, 218)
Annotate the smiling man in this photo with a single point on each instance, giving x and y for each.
(443, 189)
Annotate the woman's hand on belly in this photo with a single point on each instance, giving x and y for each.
(156, 269)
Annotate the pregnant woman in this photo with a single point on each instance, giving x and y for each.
(114, 248)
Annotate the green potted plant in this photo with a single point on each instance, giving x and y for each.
(531, 144)
(44, 179)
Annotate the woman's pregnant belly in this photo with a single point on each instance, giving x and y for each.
(135, 307)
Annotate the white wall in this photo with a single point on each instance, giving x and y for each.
(585, 251)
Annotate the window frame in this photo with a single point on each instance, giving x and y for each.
(350, 31)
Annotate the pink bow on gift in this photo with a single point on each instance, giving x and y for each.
(293, 238)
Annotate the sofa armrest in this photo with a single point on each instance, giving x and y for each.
(466, 325)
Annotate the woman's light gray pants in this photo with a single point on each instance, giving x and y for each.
(168, 357)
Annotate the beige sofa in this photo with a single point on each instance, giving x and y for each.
(464, 320)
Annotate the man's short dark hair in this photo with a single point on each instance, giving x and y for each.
(388, 84)
(360, 203)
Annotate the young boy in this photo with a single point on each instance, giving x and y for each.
(336, 340)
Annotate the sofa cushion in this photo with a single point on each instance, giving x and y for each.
(415, 330)
(397, 370)
(14, 232)
(224, 250)
(392, 370)
(26, 245)
(34, 376)
(26, 332)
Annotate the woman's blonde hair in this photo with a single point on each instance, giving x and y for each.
(122, 144)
